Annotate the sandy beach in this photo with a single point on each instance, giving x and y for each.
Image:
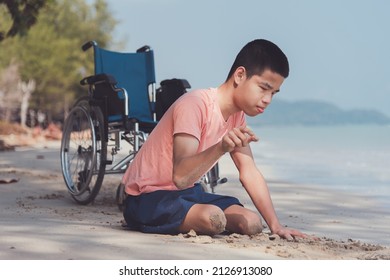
(40, 221)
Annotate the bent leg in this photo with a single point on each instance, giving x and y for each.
(243, 221)
(204, 219)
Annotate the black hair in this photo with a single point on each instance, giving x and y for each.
(259, 55)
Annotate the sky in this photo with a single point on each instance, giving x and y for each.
(338, 50)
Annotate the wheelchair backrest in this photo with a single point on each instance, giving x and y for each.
(133, 72)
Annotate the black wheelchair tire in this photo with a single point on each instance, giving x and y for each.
(85, 176)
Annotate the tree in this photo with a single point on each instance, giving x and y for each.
(26, 89)
(24, 14)
(51, 55)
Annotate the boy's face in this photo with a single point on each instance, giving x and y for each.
(253, 95)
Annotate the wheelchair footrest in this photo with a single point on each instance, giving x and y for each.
(223, 180)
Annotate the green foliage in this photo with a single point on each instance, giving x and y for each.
(51, 51)
(23, 13)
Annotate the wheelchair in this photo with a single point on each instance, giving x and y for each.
(121, 109)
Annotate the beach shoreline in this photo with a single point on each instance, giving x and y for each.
(40, 221)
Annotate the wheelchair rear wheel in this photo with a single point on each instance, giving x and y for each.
(83, 152)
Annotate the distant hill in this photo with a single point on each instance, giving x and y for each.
(309, 112)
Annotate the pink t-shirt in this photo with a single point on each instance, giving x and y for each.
(196, 113)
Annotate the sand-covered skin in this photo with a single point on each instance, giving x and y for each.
(39, 220)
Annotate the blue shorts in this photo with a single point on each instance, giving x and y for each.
(164, 211)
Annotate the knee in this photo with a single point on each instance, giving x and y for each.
(250, 225)
(215, 221)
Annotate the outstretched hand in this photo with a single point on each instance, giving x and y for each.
(291, 234)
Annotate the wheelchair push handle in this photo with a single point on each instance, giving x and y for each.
(88, 45)
(145, 48)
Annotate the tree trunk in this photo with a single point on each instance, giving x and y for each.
(26, 90)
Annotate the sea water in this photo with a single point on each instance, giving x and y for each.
(348, 158)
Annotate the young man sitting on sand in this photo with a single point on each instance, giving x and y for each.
(163, 195)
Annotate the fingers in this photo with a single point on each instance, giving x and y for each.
(292, 234)
(247, 131)
(289, 237)
(297, 233)
(239, 137)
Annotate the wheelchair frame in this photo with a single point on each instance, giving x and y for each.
(88, 132)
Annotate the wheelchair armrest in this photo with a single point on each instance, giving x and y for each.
(99, 78)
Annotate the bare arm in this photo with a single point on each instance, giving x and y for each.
(254, 182)
(189, 166)
(257, 188)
